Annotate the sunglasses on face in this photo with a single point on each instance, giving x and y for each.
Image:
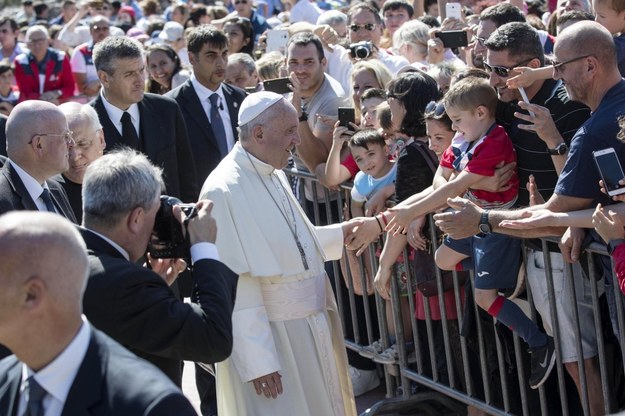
(559, 66)
(503, 71)
(367, 26)
(240, 2)
(434, 109)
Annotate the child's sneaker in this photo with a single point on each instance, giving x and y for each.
(542, 362)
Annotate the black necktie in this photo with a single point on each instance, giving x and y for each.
(36, 393)
(129, 134)
(45, 196)
(218, 125)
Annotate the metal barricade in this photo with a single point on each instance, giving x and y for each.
(488, 368)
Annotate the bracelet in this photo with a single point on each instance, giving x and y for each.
(384, 218)
(379, 224)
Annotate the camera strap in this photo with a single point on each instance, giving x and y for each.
(187, 239)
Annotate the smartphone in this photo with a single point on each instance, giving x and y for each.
(278, 85)
(453, 38)
(610, 170)
(347, 115)
(453, 10)
(526, 99)
(277, 40)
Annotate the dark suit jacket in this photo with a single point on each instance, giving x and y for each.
(3, 135)
(15, 197)
(164, 141)
(134, 306)
(110, 381)
(203, 142)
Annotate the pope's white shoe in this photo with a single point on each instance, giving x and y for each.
(363, 380)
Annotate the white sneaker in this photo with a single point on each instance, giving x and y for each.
(363, 380)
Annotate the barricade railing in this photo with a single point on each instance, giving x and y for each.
(486, 367)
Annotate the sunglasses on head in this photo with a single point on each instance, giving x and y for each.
(367, 26)
(503, 71)
(434, 109)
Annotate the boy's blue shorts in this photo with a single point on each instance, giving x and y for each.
(496, 258)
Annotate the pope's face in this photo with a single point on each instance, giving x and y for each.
(280, 137)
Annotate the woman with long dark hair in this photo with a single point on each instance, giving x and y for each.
(164, 69)
(240, 35)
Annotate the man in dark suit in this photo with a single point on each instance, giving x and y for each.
(149, 123)
(3, 137)
(212, 127)
(63, 366)
(134, 304)
(38, 142)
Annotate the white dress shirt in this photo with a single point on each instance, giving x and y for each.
(115, 114)
(33, 187)
(58, 376)
(203, 94)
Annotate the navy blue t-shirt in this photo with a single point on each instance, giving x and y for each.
(580, 176)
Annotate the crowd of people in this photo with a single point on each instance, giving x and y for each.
(115, 113)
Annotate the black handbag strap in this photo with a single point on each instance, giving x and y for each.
(428, 155)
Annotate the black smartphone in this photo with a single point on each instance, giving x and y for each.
(610, 170)
(453, 38)
(278, 85)
(347, 115)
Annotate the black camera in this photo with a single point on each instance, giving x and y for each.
(361, 50)
(168, 240)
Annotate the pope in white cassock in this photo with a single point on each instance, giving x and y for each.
(288, 355)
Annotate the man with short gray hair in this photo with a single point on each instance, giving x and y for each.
(146, 122)
(133, 304)
(88, 145)
(43, 65)
(241, 72)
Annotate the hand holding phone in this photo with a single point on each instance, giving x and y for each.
(610, 170)
(347, 115)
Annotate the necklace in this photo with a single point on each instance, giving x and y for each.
(293, 227)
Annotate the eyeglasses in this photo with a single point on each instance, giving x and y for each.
(68, 136)
(504, 71)
(100, 28)
(480, 40)
(434, 109)
(367, 26)
(559, 66)
(36, 41)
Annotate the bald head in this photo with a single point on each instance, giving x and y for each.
(587, 38)
(61, 259)
(43, 271)
(36, 139)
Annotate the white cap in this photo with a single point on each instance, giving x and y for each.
(254, 104)
(172, 31)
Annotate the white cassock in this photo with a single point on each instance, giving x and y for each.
(285, 317)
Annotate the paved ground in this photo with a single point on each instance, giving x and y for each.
(188, 387)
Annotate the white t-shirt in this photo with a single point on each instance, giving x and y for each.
(305, 11)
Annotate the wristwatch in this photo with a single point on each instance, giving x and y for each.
(612, 244)
(559, 150)
(303, 117)
(484, 226)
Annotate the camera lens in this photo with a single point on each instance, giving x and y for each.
(361, 52)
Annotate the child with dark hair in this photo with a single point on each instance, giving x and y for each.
(376, 170)
(8, 94)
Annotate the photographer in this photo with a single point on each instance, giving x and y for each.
(134, 305)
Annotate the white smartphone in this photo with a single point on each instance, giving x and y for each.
(453, 10)
(277, 40)
(527, 100)
(610, 170)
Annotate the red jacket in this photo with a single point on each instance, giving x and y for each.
(58, 75)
